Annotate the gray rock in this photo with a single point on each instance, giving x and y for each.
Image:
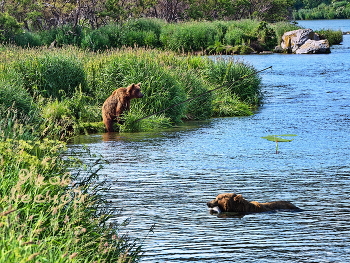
(292, 41)
(314, 47)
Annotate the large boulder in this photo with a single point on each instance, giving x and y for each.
(314, 47)
(292, 41)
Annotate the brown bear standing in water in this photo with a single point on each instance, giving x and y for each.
(117, 103)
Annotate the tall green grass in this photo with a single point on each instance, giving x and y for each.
(189, 37)
(51, 75)
(217, 37)
(71, 97)
(333, 37)
(49, 215)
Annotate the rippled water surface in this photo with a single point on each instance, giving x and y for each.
(164, 179)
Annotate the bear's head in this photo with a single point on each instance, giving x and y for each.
(134, 91)
(228, 202)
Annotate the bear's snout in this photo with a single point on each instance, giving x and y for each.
(212, 204)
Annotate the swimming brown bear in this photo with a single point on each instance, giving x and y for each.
(230, 202)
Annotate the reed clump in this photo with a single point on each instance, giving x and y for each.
(50, 215)
(333, 37)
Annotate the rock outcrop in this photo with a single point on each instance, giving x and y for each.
(304, 41)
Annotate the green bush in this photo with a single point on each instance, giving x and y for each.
(19, 114)
(96, 40)
(27, 39)
(143, 32)
(333, 37)
(51, 75)
(63, 35)
(134, 38)
(160, 88)
(144, 24)
(236, 36)
(8, 27)
(15, 96)
(189, 37)
(200, 106)
(69, 35)
(266, 36)
(59, 121)
(243, 34)
(225, 73)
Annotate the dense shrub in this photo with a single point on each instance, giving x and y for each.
(68, 35)
(257, 35)
(145, 24)
(334, 37)
(13, 96)
(236, 36)
(160, 88)
(27, 39)
(8, 27)
(266, 36)
(19, 116)
(189, 37)
(96, 40)
(51, 75)
(226, 72)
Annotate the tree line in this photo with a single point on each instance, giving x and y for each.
(43, 15)
(325, 9)
(16, 15)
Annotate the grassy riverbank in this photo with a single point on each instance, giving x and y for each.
(216, 37)
(50, 95)
(59, 93)
(50, 215)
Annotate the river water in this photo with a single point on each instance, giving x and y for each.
(164, 179)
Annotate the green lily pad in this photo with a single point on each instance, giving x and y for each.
(275, 138)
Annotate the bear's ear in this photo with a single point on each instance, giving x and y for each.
(130, 87)
(238, 198)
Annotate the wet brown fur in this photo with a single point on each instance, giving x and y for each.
(230, 202)
(117, 103)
